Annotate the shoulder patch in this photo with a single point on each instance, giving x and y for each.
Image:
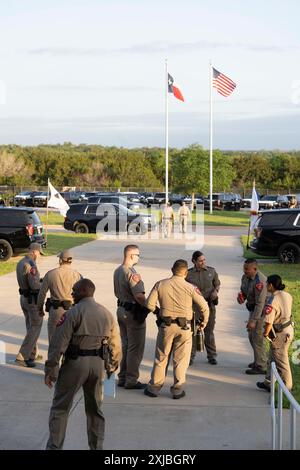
(259, 285)
(136, 277)
(33, 271)
(197, 290)
(62, 320)
(268, 309)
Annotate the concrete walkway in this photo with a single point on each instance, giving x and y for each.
(222, 409)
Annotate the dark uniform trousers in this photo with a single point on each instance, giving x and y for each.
(33, 322)
(86, 372)
(209, 336)
(132, 334)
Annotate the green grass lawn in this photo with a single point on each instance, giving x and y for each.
(56, 243)
(54, 218)
(229, 218)
(218, 218)
(290, 274)
(222, 218)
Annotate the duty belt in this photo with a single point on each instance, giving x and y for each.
(180, 321)
(89, 352)
(127, 305)
(280, 326)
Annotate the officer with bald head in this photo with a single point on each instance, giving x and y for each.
(80, 336)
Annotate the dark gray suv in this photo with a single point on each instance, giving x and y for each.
(18, 228)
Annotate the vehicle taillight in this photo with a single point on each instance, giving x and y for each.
(30, 229)
(257, 232)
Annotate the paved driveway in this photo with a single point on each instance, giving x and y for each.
(222, 409)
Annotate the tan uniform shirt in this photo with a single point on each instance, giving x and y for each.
(28, 276)
(255, 291)
(278, 308)
(60, 282)
(167, 212)
(127, 283)
(184, 211)
(206, 279)
(176, 297)
(85, 325)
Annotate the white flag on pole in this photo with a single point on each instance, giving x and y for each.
(254, 207)
(56, 201)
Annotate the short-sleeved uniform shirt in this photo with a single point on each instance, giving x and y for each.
(255, 291)
(278, 308)
(176, 298)
(28, 276)
(127, 283)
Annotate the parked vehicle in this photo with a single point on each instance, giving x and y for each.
(71, 197)
(25, 198)
(296, 196)
(277, 233)
(246, 201)
(273, 202)
(107, 217)
(18, 228)
(224, 201)
(84, 196)
(130, 195)
(116, 199)
(41, 199)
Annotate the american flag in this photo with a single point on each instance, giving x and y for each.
(223, 84)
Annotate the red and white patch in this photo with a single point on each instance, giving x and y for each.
(268, 309)
(62, 320)
(197, 290)
(136, 278)
(33, 271)
(259, 286)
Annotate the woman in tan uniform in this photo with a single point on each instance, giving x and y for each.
(279, 329)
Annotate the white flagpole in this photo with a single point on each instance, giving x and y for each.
(167, 135)
(210, 144)
(47, 212)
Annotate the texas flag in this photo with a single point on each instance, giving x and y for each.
(174, 89)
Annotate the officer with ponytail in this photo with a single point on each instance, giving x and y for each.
(278, 328)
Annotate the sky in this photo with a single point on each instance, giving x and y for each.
(94, 72)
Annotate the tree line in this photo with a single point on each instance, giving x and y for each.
(98, 166)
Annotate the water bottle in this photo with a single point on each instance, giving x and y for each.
(200, 340)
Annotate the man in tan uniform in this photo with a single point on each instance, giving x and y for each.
(80, 336)
(183, 214)
(167, 219)
(207, 280)
(175, 297)
(28, 278)
(279, 328)
(130, 292)
(254, 291)
(60, 282)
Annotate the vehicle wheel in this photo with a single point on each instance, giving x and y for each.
(133, 229)
(237, 208)
(81, 228)
(6, 250)
(289, 253)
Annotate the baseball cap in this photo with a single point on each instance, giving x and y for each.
(65, 255)
(36, 247)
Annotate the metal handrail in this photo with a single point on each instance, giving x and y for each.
(277, 420)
